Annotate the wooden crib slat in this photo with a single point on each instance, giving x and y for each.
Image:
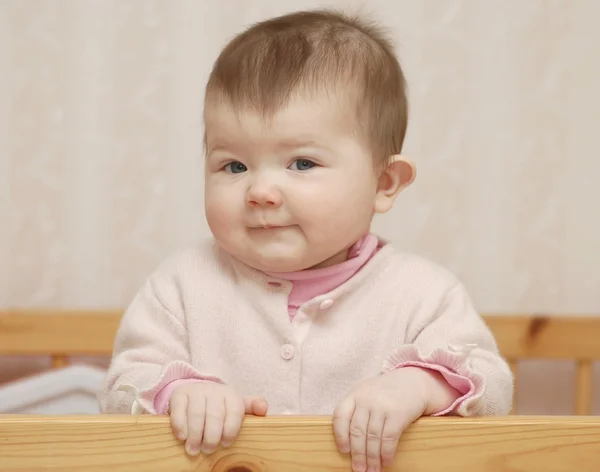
(59, 361)
(297, 444)
(583, 388)
(514, 367)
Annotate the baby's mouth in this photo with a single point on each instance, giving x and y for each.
(268, 227)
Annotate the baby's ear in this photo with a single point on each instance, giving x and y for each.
(399, 174)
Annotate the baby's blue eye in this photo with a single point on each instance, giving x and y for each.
(303, 164)
(235, 167)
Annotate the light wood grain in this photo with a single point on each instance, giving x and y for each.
(294, 444)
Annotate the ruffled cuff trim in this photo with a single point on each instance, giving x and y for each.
(177, 370)
(454, 366)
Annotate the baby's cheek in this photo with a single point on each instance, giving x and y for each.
(338, 217)
(219, 216)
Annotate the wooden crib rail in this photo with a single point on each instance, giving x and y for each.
(295, 444)
(59, 333)
(65, 333)
(522, 337)
(91, 332)
(546, 337)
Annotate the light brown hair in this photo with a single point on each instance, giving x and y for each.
(318, 51)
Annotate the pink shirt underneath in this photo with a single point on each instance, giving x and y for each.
(310, 283)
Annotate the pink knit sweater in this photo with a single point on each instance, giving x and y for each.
(306, 284)
(204, 315)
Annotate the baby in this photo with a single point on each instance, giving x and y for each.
(296, 307)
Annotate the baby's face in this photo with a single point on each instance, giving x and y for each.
(290, 193)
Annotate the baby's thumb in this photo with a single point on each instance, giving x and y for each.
(255, 406)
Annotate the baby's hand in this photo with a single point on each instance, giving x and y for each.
(204, 414)
(370, 419)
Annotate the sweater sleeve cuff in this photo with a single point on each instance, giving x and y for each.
(148, 399)
(456, 369)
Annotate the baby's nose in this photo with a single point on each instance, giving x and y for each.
(263, 196)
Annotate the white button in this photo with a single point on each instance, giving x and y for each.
(287, 351)
(326, 304)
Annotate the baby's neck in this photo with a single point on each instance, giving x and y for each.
(336, 259)
(310, 283)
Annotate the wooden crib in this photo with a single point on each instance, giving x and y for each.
(292, 444)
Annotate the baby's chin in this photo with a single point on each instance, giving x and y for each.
(278, 262)
(278, 265)
(281, 256)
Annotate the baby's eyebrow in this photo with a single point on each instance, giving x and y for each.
(289, 143)
(219, 145)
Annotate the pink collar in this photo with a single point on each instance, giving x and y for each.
(310, 283)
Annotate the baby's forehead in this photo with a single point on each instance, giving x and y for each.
(302, 115)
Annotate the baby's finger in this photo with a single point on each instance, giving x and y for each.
(234, 415)
(358, 439)
(213, 427)
(392, 429)
(374, 432)
(178, 416)
(341, 424)
(196, 413)
(255, 406)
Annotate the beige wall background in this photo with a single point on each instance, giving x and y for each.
(101, 159)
